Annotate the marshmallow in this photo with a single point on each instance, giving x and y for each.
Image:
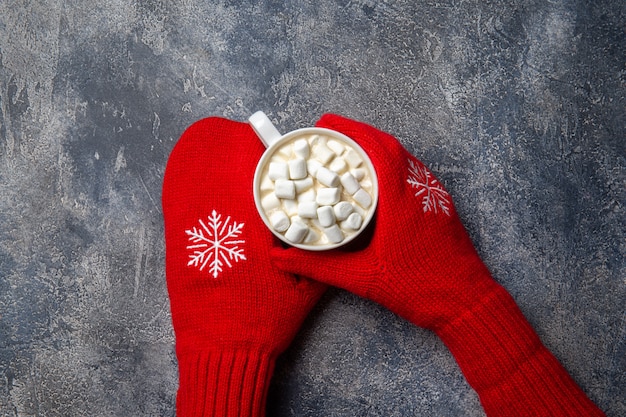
(350, 184)
(297, 169)
(358, 173)
(359, 209)
(301, 148)
(308, 195)
(284, 151)
(296, 232)
(311, 237)
(326, 216)
(278, 170)
(342, 210)
(353, 158)
(367, 185)
(270, 202)
(303, 184)
(336, 147)
(327, 177)
(334, 234)
(279, 221)
(285, 189)
(354, 222)
(323, 153)
(338, 165)
(328, 196)
(291, 207)
(362, 198)
(308, 209)
(266, 184)
(312, 165)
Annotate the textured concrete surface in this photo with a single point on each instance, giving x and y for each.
(518, 106)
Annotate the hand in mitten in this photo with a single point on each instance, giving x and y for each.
(233, 311)
(421, 264)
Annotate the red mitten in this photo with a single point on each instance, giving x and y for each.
(422, 265)
(233, 312)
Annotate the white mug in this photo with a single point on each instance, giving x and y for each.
(314, 188)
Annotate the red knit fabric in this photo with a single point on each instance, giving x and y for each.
(233, 311)
(421, 264)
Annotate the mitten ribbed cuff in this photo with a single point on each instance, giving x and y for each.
(219, 383)
(505, 362)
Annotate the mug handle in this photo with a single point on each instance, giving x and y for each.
(264, 128)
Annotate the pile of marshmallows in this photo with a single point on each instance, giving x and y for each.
(316, 191)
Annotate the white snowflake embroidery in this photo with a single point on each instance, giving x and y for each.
(215, 243)
(434, 197)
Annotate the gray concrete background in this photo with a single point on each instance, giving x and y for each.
(518, 106)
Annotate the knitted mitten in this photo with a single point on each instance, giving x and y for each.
(233, 312)
(422, 265)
